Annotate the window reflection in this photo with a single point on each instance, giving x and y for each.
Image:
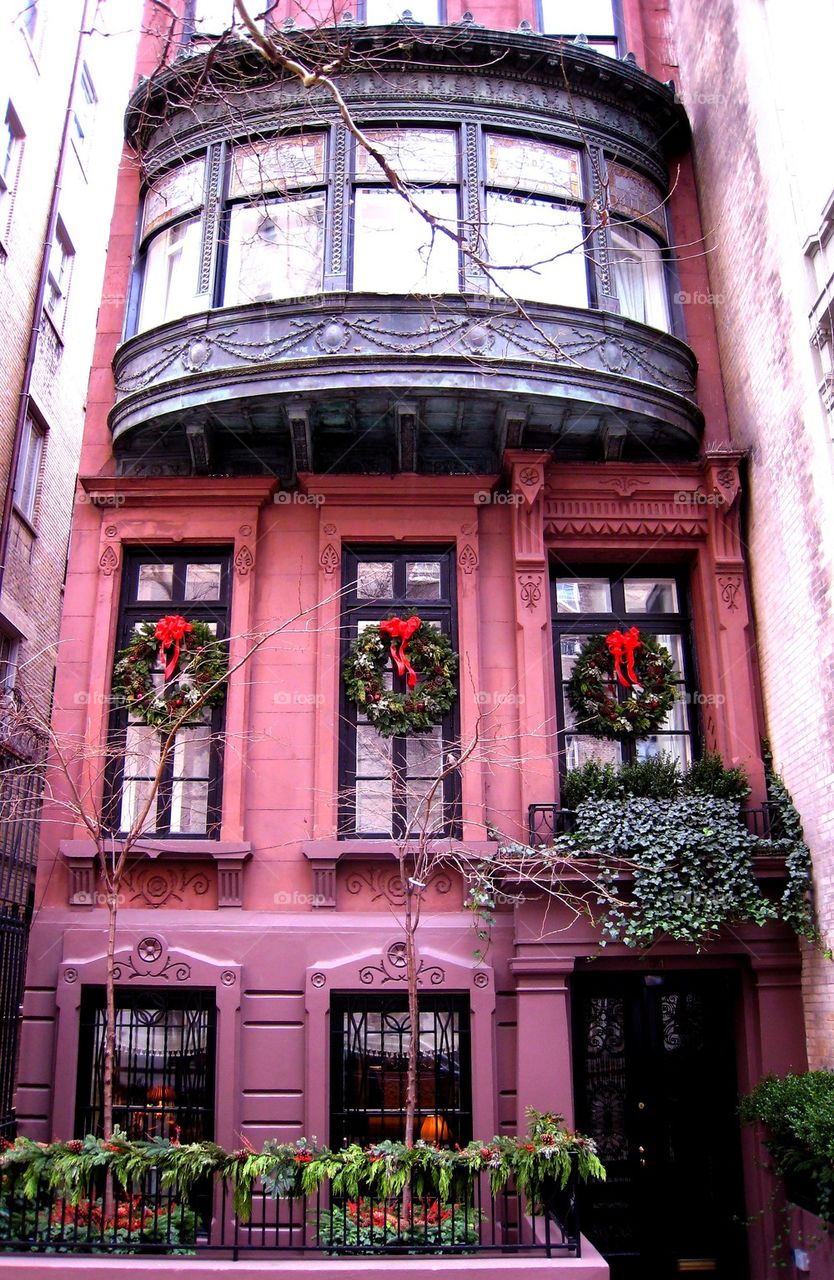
(396, 250)
(169, 287)
(276, 250)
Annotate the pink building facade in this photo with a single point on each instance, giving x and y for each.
(291, 446)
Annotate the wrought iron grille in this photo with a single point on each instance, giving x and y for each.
(14, 928)
(164, 1063)
(370, 1038)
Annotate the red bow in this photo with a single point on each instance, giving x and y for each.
(402, 630)
(169, 632)
(622, 648)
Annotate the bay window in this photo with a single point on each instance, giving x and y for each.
(389, 786)
(585, 605)
(186, 799)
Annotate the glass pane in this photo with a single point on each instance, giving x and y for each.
(275, 250)
(583, 595)
(423, 814)
(375, 580)
(422, 580)
(378, 12)
(373, 807)
(680, 748)
(135, 793)
(424, 753)
(277, 164)
(373, 753)
(202, 581)
(178, 192)
(675, 646)
(526, 164)
(536, 250)
(677, 721)
(156, 582)
(578, 17)
(651, 595)
(189, 806)
(634, 196)
(171, 277)
(416, 155)
(192, 752)
(570, 648)
(578, 750)
(395, 249)
(639, 276)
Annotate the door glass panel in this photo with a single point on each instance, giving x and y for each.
(375, 580)
(651, 595)
(156, 582)
(583, 595)
(579, 749)
(202, 581)
(374, 806)
(422, 580)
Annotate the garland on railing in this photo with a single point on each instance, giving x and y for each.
(544, 1157)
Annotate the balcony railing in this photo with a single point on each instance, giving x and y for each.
(545, 821)
(144, 1217)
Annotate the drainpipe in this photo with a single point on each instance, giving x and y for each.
(37, 316)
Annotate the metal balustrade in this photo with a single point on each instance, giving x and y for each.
(146, 1218)
(544, 821)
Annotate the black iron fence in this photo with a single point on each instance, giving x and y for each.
(145, 1217)
(545, 821)
(14, 929)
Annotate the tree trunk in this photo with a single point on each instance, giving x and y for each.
(413, 1021)
(110, 1017)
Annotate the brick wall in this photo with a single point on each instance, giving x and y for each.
(737, 80)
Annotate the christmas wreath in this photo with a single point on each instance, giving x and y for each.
(649, 676)
(416, 650)
(191, 661)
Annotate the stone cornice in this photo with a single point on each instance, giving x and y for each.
(112, 492)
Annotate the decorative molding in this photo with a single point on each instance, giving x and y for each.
(150, 959)
(324, 882)
(244, 561)
(337, 249)
(626, 486)
(330, 559)
(393, 968)
(245, 530)
(319, 980)
(729, 586)
(109, 561)
(158, 885)
(530, 589)
(468, 558)
(385, 883)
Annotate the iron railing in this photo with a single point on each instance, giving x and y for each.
(144, 1217)
(544, 821)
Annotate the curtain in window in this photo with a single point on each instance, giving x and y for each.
(639, 279)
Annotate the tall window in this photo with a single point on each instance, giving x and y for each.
(275, 232)
(396, 250)
(195, 585)
(83, 114)
(639, 275)
(369, 1042)
(389, 785)
(11, 151)
(378, 12)
(534, 220)
(595, 604)
(595, 19)
(61, 257)
(27, 476)
(164, 1068)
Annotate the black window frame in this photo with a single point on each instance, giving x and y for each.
(133, 611)
(345, 1123)
(444, 611)
(138, 1115)
(594, 624)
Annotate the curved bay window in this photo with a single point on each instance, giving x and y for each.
(392, 787)
(186, 800)
(292, 228)
(369, 1042)
(163, 1073)
(592, 604)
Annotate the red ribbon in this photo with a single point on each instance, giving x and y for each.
(169, 632)
(402, 631)
(622, 647)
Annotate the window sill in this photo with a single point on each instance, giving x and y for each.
(229, 857)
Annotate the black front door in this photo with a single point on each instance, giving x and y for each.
(655, 1084)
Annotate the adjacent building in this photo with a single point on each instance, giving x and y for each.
(313, 406)
(65, 68)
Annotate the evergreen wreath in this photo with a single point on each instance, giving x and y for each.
(651, 680)
(416, 650)
(192, 659)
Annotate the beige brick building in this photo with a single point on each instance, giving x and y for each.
(758, 94)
